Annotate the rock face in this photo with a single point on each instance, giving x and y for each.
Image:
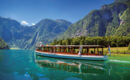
(14, 33)
(3, 45)
(47, 30)
(17, 35)
(112, 19)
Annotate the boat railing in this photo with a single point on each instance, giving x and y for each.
(72, 50)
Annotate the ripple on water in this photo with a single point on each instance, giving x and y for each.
(119, 61)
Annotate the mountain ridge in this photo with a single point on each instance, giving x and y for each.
(110, 20)
(17, 35)
(103, 22)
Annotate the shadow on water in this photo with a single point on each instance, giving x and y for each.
(26, 65)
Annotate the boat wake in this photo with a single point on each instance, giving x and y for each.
(119, 61)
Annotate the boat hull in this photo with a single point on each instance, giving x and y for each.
(82, 57)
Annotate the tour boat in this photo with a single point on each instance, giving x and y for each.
(81, 52)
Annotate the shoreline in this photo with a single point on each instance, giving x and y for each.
(14, 48)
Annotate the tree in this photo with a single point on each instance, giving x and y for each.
(3, 44)
(129, 46)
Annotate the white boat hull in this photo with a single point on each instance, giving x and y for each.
(82, 57)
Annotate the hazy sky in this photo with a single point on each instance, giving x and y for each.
(32, 11)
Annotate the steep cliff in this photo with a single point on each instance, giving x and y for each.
(112, 19)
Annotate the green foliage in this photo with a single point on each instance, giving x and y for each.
(3, 45)
(129, 46)
(113, 41)
(124, 28)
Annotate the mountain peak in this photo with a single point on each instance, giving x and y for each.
(47, 19)
(62, 20)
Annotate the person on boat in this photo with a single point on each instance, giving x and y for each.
(80, 51)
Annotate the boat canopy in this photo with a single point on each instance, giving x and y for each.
(72, 49)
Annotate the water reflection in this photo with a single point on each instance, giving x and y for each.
(75, 66)
(90, 70)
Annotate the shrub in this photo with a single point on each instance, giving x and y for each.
(129, 46)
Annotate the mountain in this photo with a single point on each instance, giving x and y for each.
(14, 33)
(3, 44)
(112, 19)
(47, 30)
(17, 35)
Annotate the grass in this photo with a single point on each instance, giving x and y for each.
(118, 53)
(118, 50)
(122, 57)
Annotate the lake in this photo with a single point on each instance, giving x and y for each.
(26, 65)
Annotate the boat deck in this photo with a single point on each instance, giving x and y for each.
(72, 54)
(69, 56)
(85, 52)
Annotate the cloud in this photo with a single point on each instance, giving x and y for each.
(24, 22)
(33, 24)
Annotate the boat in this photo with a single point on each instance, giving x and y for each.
(80, 52)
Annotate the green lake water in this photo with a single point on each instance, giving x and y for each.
(26, 65)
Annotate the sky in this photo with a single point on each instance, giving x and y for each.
(29, 12)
